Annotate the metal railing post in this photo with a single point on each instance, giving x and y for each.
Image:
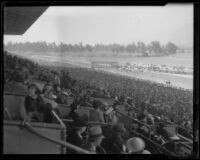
(63, 132)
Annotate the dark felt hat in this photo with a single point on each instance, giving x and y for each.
(119, 128)
(80, 122)
(95, 132)
(96, 104)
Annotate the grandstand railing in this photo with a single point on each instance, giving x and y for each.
(63, 131)
(59, 142)
(89, 122)
(165, 151)
(162, 149)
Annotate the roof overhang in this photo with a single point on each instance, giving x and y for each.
(18, 19)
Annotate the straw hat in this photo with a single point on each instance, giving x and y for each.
(146, 152)
(135, 144)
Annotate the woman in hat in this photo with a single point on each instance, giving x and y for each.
(94, 140)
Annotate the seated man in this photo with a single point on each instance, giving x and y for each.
(36, 108)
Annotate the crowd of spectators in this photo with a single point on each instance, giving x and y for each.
(148, 98)
(168, 102)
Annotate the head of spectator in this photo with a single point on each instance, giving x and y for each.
(125, 100)
(157, 119)
(96, 105)
(80, 125)
(116, 98)
(135, 145)
(56, 73)
(33, 90)
(105, 106)
(50, 94)
(95, 135)
(161, 125)
(142, 118)
(188, 124)
(150, 119)
(57, 88)
(118, 129)
(75, 105)
(48, 86)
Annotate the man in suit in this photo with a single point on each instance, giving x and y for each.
(96, 115)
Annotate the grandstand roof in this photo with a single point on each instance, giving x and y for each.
(18, 19)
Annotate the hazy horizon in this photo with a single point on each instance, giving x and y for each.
(108, 25)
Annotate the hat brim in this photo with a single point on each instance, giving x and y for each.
(175, 137)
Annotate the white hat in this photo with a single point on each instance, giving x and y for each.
(135, 144)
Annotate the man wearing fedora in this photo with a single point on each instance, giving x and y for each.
(94, 140)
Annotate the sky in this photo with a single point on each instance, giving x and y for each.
(112, 24)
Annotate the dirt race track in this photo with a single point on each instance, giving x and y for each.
(177, 80)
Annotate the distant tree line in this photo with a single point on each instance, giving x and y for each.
(154, 48)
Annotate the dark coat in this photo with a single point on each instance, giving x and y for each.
(113, 144)
(163, 132)
(73, 115)
(75, 139)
